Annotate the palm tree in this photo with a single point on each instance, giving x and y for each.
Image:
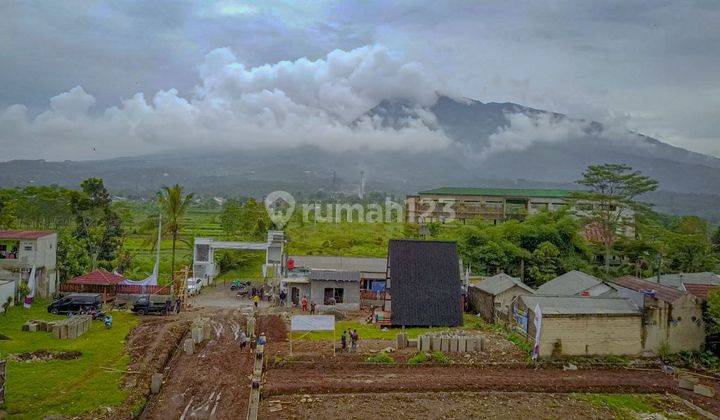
(173, 205)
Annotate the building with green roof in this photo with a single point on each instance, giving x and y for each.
(492, 204)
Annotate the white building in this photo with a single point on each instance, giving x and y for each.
(20, 251)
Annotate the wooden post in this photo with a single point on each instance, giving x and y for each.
(291, 334)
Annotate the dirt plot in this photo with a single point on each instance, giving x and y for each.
(293, 379)
(214, 381)
(441, 405)
(273, 326)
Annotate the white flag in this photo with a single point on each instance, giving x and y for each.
(538, 324)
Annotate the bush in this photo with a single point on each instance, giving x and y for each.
(418, 358)
(381, 357)
(440, 357)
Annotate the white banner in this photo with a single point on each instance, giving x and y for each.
(312, 323)
(538, 324)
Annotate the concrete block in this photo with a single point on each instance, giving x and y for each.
(426, 344)
(399, 343)
(250, 328)
(436, 344)
(72, 331)
(156, 382)
(445, 344)
(704, 390)
(63, 331)
(412, 343)
(32, 327)
(481, 343)
(189, 346)
(688, 382)
(462, 344)
(453, 345)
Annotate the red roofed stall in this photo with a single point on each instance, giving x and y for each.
(97, 281)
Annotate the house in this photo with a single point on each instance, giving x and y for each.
(671, 317)
(582, 325)
(424, 283)
(325, 288)
(681, 280)
(96, 281)
(574, 283)
(495, 294)
(372, 270)
(20, 251)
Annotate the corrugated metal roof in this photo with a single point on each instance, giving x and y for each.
(100, 277)
(424, 283)
(568, 284)
(700, 290)
(661, 292)
(335, 275)
(501, 192)
(500, 283)
(320, 262)
(24, 234)
(580, 305)
(677, 280)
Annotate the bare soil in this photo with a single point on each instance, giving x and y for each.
(214, 381)
(442, 405)
(45, 355)
(352, 378)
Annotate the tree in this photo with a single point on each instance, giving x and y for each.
(611, 197)
(96, 224)
(230, 219)
(713, 311)
(173, 205)
(545, 263)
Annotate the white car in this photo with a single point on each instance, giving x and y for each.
(194, 285)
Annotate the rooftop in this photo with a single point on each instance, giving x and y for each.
(24, 234)
(500, 283)
(502, 192)
(568, 284)
(678, 280)
(361, 264)
(334, 275)
(100, 277)
(700, 290)
(661, 292)
(580, 305)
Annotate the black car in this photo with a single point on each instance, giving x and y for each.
(145, 305)
(76, 302)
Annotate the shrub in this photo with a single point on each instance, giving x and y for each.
(418, 358)
(381, 357)
(440, 357)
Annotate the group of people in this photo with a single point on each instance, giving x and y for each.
(243, 339)
(353, 337)
(304, 305)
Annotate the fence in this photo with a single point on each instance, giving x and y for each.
(109, 291)
(372, 295)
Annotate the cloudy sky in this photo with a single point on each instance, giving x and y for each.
(85, 79)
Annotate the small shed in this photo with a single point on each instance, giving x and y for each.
(424, 283)
(97, 281)
(574, 283)
(671, 317)
(583, 325)
(494, 295)
(325, 288)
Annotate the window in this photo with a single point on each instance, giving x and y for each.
(28, 247)
(331, 294)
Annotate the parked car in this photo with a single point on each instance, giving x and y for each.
(145, 305)
(194, 285)
(76, 302)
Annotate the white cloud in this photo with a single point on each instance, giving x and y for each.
(295, 103)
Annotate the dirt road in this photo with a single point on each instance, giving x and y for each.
(214, 381)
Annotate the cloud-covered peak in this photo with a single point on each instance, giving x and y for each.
(289, 103)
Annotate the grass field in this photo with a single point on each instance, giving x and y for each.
(65, 387)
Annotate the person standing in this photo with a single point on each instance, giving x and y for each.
(178, 304)
(343, 340)
(243, 339)
(283, 296)
(312, 308)
(354, 340)
(304, 303)
(262, 340)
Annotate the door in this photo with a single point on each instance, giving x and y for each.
(329, 296)
(295, 296)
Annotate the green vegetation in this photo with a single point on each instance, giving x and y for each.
(64, 387)
(624, 405)
(381, 357)
(365, 332)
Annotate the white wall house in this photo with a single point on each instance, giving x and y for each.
(20, 251)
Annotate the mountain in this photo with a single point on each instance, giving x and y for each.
(689, 181)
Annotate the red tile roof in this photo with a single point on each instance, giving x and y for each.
(100, 277)
(664, 293)
(700, 290)
(24, 234)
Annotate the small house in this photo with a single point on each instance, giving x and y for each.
(574, 283)
(372, 270)
(494, 295)
(424, 283)
(326, 288)
(96, 281)
(23, 250)
(582, 325)
(671, 317)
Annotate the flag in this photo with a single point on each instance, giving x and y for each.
(538, 324)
